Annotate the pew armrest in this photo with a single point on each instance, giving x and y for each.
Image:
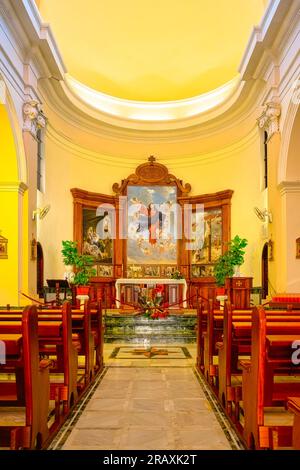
(293, 405)
(245, 365)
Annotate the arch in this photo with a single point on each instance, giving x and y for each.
(287, 134)
(289, 177)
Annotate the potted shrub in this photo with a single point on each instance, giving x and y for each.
(222, 269)
(237, 253)
(84, 271)
(228, 264)
(70, 254)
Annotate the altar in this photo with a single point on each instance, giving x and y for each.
(131, 296)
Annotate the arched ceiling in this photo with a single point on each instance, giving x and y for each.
(152, 51)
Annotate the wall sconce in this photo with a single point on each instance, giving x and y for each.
(298, 248)
(271, 250)
(33, 249)
(3, 247)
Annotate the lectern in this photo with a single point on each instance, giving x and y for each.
(238, 290)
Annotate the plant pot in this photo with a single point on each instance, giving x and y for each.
(82, 290)
(237, 272)
(220, 291)
(69, 273)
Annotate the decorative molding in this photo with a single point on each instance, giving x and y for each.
(127, 161)
(269, 119)
(34, 118)
(13, 187)
(288, 187)
(151, 173)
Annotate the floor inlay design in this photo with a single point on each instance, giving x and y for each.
(173, 352)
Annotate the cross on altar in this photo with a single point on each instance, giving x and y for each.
(151, 159)
(239, 283)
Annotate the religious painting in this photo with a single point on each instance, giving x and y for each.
(3, 247)
(206, 236)
(167, 271)
(104, 270)
(202, 270)
(152, 225)
(97, 235)
(134, 271)
(145, 270)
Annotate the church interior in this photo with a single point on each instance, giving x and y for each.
(150, 225)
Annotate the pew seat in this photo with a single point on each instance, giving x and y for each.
(293, 405)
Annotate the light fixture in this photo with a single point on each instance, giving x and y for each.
(262, 215)
(41, 212)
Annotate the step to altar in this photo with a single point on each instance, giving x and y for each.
(178, 327)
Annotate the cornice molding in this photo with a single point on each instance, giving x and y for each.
(126, 161)
(13, 187)
(289, 187)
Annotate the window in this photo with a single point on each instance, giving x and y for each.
(40, 159)
(265, 159)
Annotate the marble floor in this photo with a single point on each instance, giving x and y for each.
(150, 403)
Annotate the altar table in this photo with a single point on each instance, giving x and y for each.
(150, 282)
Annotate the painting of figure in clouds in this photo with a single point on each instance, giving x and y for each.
(152, 225)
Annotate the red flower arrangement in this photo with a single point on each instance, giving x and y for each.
(153, 307)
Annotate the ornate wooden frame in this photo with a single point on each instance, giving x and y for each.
(153, 173)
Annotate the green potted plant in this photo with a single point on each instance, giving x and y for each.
(70, 254)
(228, 264)
(222, 269)
(84, 271)
(237, 252)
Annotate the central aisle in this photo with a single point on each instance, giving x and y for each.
(150, 408)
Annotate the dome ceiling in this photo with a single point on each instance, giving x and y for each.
(152, 51)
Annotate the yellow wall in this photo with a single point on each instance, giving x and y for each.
(240, 171)
(10, 201)
(8, 158)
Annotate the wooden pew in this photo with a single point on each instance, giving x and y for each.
(55, 342)
(262, 396)
(32, 388)
(236, 342)
(201, 328)
(212, 337)
(85, 335)
(293, 405)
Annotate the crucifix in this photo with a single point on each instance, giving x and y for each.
(151, 159)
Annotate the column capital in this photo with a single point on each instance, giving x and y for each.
(269, 119)
(34, 118)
